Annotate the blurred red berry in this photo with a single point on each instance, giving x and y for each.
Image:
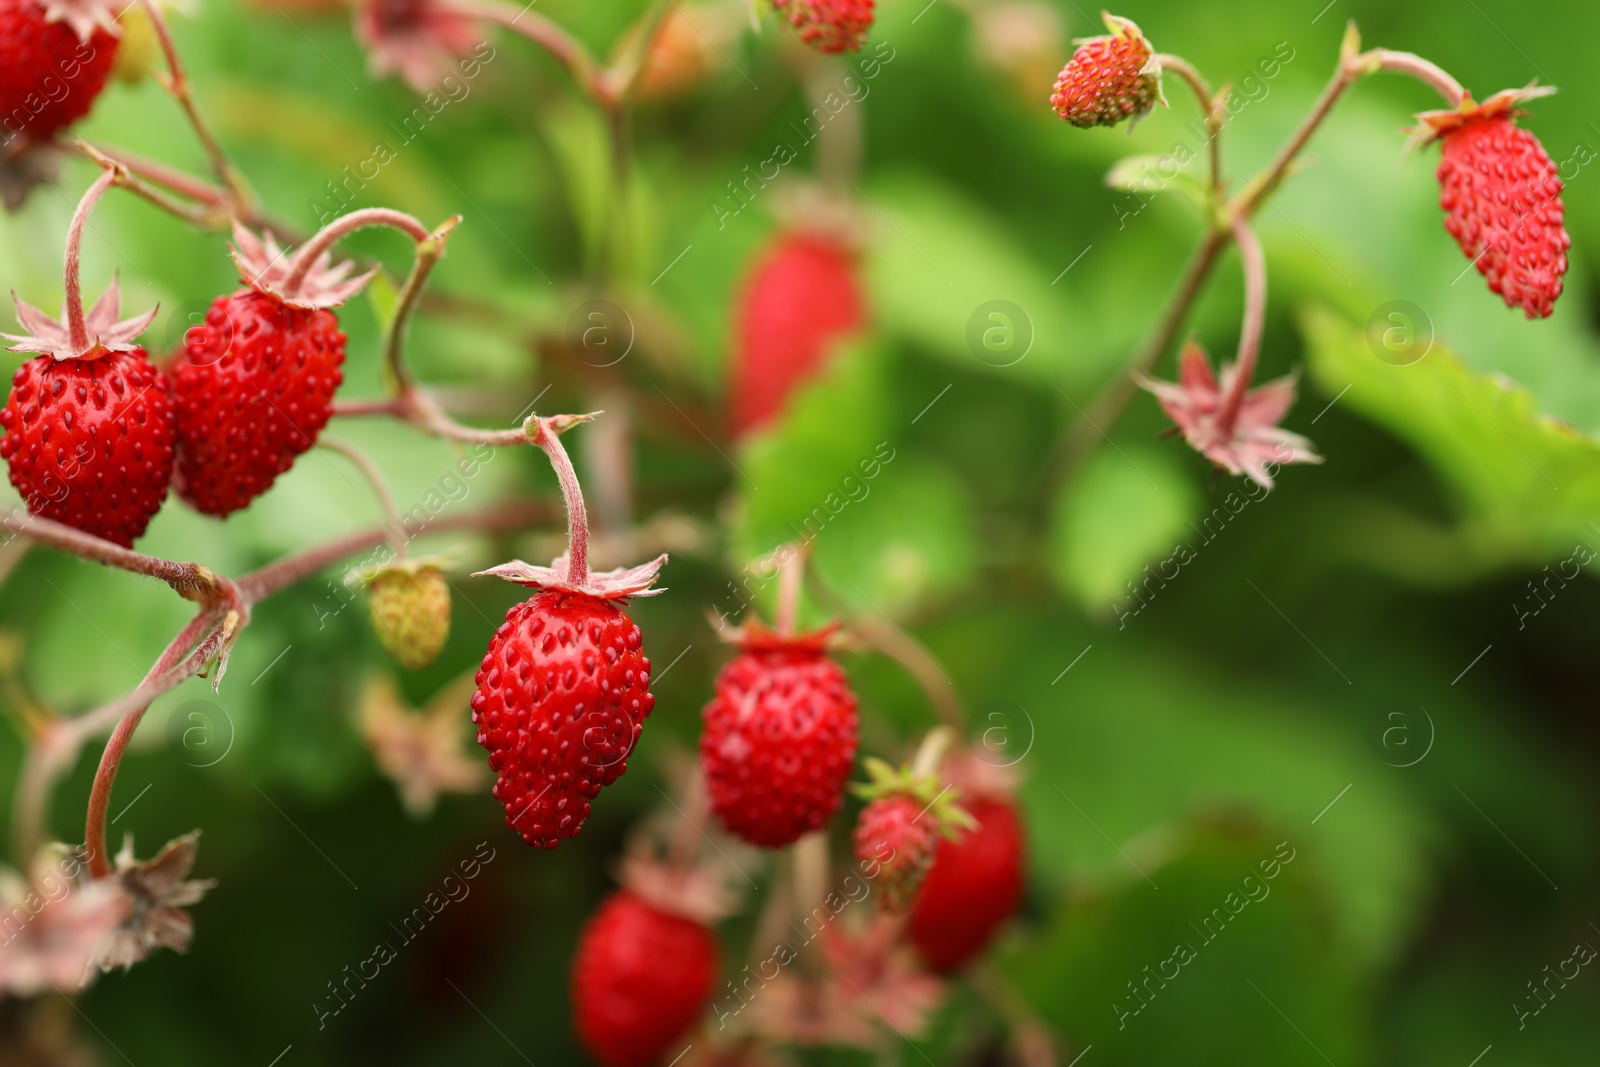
(779, 738)
(897, 834)
(562, 696)
(55, 56)
(1108, 79)
(973, 887)
(802, 296)
(1501, 195)
(828, 25)
(641, 978)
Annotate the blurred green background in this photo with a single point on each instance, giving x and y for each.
(1351, 664)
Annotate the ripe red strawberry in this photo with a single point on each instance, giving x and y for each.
(779, 738)
(899, 829)
(562, 697)
(564, 689)
(800, 298)
(88, 424)
(55, 56)
(641, 978)
(254, 383)
(973, 887)
(1502, 200)
(1108, 79)
(829, 25)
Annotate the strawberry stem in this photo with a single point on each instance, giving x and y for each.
(1421, 69)
(1214, 116)
(77, 329)
(791, 576)
(1255, 309)
(931, 752)
(306, 256)
(429, 251)
(547, 439)
(561, 45)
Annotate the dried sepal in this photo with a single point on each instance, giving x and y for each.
(85, 17)
(624, 583)
(50, 337)
(266, 268)
(157, 890)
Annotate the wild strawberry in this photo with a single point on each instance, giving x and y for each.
(88, 424)
(55, 56)
(899, 829)
(642, 976)
(974, 885)
(779, 738)
(802, 296)
(564, 689)
(829, 25)
(1501, 196)
(409, 601)
(254, 383)
(1108, 79)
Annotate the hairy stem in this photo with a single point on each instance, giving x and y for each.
(94, 830)
(1214, 115)
(548, 439)
(1255, 310)
(1422, 70)
(177, 83)
(306, 256)
(77, 329)
(429, 251)
(190, 580)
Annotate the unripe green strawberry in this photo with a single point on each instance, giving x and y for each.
(410, 605)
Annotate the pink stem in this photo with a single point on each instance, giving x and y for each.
(190, 580)
(572, 493)
(1422, 70)
(791, 576)
(561, 45)
(1255, 309)
(94, 830)
(77, 329)
(306, 257)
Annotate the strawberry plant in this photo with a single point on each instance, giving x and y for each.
(851, 474)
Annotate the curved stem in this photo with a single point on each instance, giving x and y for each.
(420, 410)
(178, 85)
(391, 407)
(1214, 115)
(77, 329)
(561, 45)
(94, 830)
(1421, 69)
(429, 251)
(306, 256)
(1103, 410)
(380, 487)
(1261, 186)
(1255, 310)
(549, 440)
(931, 752)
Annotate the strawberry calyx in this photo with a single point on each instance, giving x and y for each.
(85, 17)
(267, 268)
(699, 892)
(570, 570)
(938, 800)
(757, 636)
(77, 335)
(1432, 125)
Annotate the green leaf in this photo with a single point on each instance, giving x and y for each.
(1145, 175)
(943, 274)
(1526, 485)
(1128, 508)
